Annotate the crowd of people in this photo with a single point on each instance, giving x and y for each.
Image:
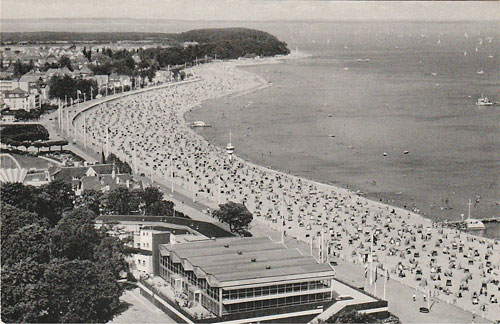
(149, 132)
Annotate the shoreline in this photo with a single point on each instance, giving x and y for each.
(327, 186)
(349, 202)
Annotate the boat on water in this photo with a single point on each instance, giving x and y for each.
(480, 72)
(199, 124)
(484, 101)
(473, 224)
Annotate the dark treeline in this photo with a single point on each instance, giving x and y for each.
(66, 87)
(56, 267)
(103, 37)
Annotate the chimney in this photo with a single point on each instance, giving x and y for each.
(117, 180)
(85, 163)
(128, 184)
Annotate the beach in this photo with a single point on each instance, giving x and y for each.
(148, 131)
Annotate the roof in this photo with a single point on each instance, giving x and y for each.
(101, 181)
(30, 77)
(204, 228)
(67, 174)
(239, 261)
(177, 231)
(114, 76)
(102, 168)
(16, 91)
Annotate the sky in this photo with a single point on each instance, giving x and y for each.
(251, 9)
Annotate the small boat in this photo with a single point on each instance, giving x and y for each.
(480, 72)
(330, 115)
(473, 224)
(406, 152)
(199, 124)
(484, 101)
(331, 135)
(384, 154)
(490, 56)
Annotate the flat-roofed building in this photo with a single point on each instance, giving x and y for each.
(247, 277)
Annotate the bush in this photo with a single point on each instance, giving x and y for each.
(24, 132)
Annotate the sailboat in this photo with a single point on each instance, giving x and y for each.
(473, 224)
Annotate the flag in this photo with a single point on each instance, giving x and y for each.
(376, 273)
(366, 270)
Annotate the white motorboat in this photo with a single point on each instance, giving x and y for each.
(473, 224)
(484, 101)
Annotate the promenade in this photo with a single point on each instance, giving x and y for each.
(148, 131)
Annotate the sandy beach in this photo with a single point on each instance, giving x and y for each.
(148, 130)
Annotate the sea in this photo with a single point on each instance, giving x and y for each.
(387, 109)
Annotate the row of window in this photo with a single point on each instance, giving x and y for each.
(275, 303)
(275, 289)
(209, 304)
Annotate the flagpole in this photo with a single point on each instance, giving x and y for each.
(385, 281)
(59, 113)
(84, 131)
(386, 274)
(311, 245)
(107, 142)
(171, 174)
(218, 199)
(371, 260)
(282, 219)
(67, 122)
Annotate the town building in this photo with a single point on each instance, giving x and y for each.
(18, 99)
(100, 177)
(149, 232)
(247, 278)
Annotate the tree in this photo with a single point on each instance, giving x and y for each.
(79, 293)
(65, 61)
(66, 273)
(235, 215)
(23, 295)
(59, 197)
(14, 218)
(123, 167)
(121, 202)
(90, 199)
(161, 208)
(75, 236)
(29, 242)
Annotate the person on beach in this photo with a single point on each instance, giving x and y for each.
(149, 132)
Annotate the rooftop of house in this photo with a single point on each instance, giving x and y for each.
(204, 228)
(69, 173)
(238, 261)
